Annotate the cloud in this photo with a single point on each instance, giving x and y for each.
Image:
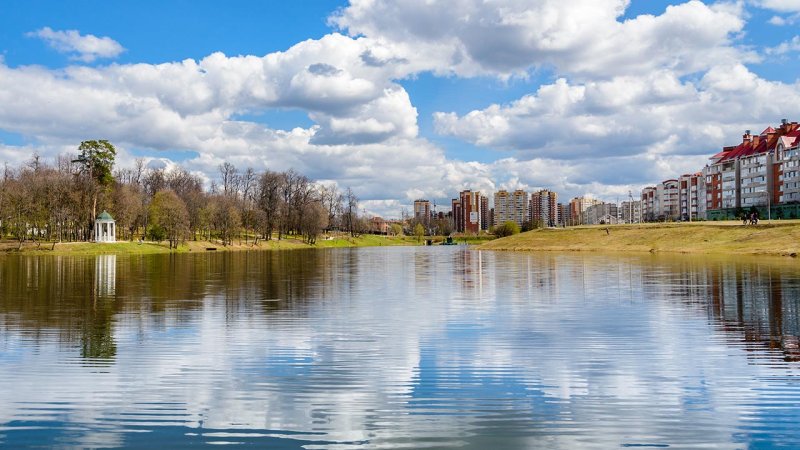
(634, 100)
(779, 5)
(785, 47)
(580, 37)
(623, 131)
(86, 48)
(183, 103)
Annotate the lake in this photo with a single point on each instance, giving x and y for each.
(401, 347)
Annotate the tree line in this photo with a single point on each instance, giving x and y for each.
(59, 201)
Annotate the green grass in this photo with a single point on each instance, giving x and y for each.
(134, 248)
(367, 240)
(91, 248)
(778, 238)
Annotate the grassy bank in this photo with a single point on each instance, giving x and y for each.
(145, 248)
(779, 238)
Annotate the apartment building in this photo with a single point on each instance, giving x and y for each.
(510, 207)
(691, 196)
(457, 213)
(788, 172)
(485, 213)
(602, 213)
(668, 194)
(467, 214)
(563, 214)
(577, 208)
(422, 211)
(760, 171)
(662, 201)
(648, 204)
(544, 208)
(502, 207)
(631, 211)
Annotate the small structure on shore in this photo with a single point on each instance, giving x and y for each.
(105, 228)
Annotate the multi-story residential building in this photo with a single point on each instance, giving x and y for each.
(690, 196)
(668, 195)
(758, 172)
(377, 225)
(723, 182)
(601, 213)
(577, 208)
(467, 213)
(510, 207)
(457, 213)
(788, 172)
(502, 207)
(649, 204)
(761, 171)
(563, 214)
(422, 211)
(631, 211)
(543, 208)
(485, 215)
(662, 201)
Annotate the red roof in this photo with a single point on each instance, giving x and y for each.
(737, 151)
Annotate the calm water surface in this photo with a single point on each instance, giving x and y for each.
(399, 348)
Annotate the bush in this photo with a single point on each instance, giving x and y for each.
(157, 233)
(506, 229)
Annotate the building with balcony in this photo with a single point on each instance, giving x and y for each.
(691, 195)
(468, 214)
(577, 208)
(631, 211)
(544, 208)
(422, 211)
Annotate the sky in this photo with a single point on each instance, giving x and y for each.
(402, 100)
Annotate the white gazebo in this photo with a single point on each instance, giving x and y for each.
(105, 229)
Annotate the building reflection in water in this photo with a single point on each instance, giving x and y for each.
(756, 303)
(106, 275)
(389, 346)
(752, 301)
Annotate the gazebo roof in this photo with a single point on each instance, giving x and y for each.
(105, 216)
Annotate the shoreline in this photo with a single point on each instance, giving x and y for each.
(780, 238)
(151, 248)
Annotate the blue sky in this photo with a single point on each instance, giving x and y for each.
(402, 99)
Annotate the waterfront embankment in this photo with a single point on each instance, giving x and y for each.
(780, 238)
(144, 248)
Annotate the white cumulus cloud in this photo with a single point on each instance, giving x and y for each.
(631, 101)
(86, 48)
(779, 5)
(581, 37)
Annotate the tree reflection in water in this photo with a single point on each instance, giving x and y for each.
(81, 297)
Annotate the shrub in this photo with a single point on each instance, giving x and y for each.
(506, 229)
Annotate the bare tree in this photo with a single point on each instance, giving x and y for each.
(229, 175)
(350, 213)
(315, 220)
(128, 210)
(332, 201)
